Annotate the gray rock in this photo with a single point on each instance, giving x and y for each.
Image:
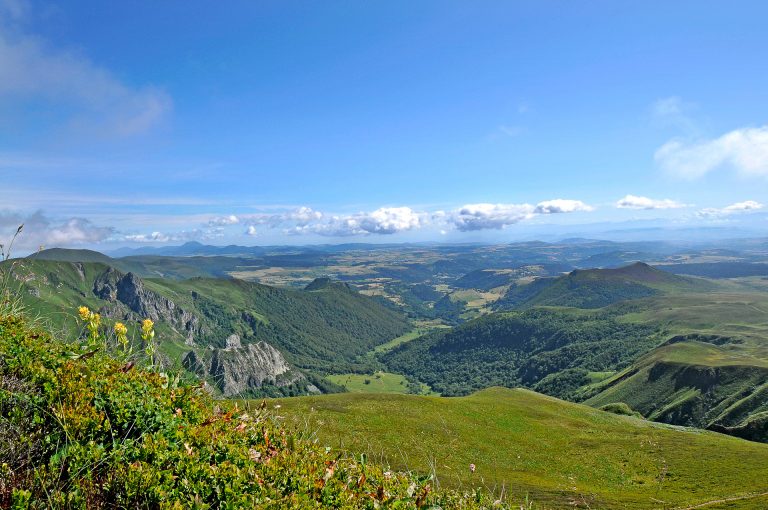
(238, 370)
(129, 289)
(233, 342)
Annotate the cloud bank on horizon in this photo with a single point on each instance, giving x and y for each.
(40, 230)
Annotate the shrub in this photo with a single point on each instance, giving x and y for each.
(621, 408)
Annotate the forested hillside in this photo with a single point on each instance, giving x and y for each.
(554, 350)
(327, 327)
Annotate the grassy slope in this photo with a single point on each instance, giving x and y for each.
(379, 382)
(60, 284)
(67, 255)
(153, 265)
(562, 454)
(692, 382)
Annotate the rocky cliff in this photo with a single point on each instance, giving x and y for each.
(128, 289)
(240, 369)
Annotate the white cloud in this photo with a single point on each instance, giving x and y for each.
(747, 205)
(68, 81)
(251, 231)
(560, 205)
(636, 202)
(490, 216)
(744, 150)
(300, 216)
(389, 220)
(738, 207)
(385, 220)
(224, 220)
(39, 230)
(497, 216)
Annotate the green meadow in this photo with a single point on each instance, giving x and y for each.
(527, 445)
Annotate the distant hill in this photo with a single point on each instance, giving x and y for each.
(615, 259)
(718, 269)
(596, 288)
(483, 279)
(189, 249)
(164, 266)
(556, 454)
(519, 294)
(327, 284)
(155, 266)
(70, 255)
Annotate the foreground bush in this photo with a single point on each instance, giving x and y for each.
(80, 428)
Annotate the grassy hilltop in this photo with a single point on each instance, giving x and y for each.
(562, 455)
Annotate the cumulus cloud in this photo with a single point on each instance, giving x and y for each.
(738, 207)
(490, 216)
(636, 202)
(485, 216)
(40, 230)
(385, 220)
(224, 220)
(300, 216)
(748, 205)
(744, 150)
(560, 205)
(251, 231)
(33, 70)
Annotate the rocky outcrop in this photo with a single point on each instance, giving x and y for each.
(238, 369)
(105, 285)
(129, 289)
(232, 342)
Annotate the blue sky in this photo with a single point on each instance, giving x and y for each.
(125, 123)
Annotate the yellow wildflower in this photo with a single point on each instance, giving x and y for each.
(122, 334)
(120, 329)
(147, 330)
(84, 313)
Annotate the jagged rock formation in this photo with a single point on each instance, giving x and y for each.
(238, 369)
(113, 286)
(233, 342)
